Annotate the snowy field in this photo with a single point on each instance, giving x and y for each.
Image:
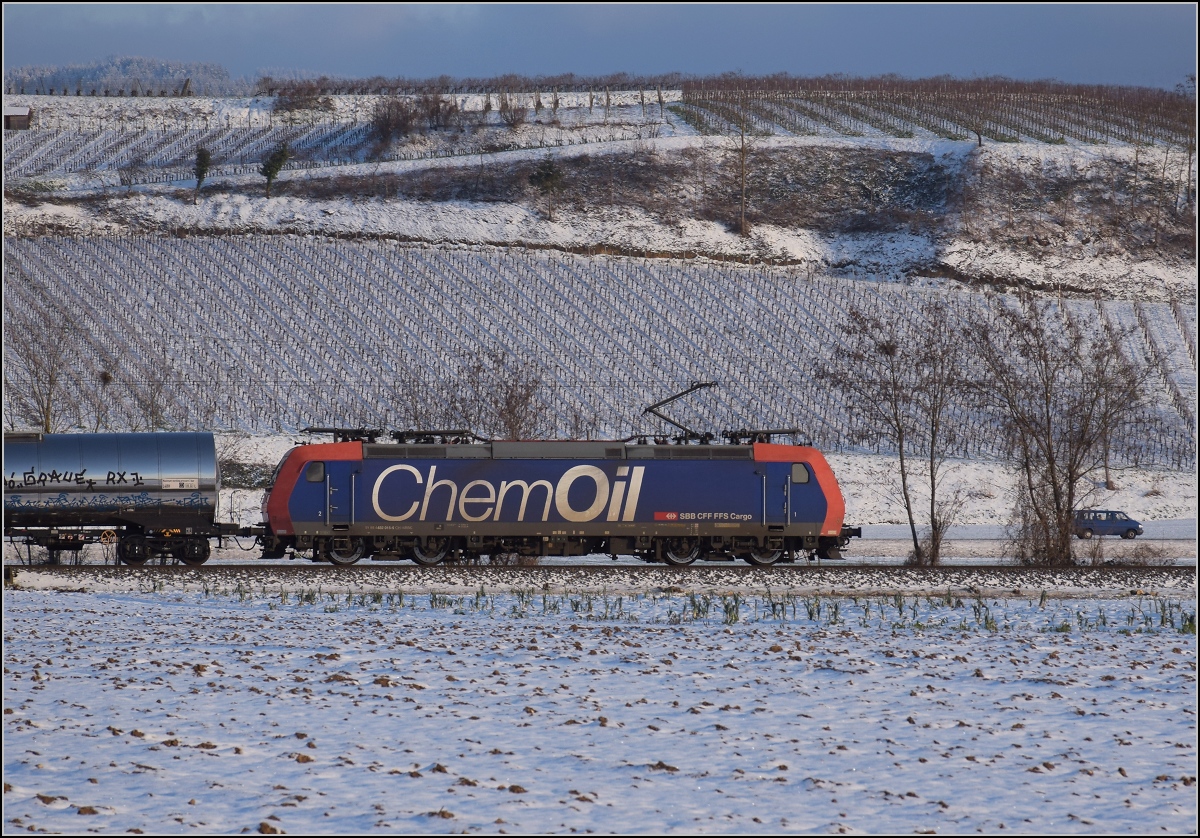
(178, 712)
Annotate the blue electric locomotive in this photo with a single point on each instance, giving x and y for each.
(430, 500)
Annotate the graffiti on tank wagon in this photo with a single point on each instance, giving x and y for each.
(120, 477)
(77, 478)
(66, 500)
(43, 478)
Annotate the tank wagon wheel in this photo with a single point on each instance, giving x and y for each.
(193, 552)
(762, 557)
(1085, 535)
(132, 549)
(343, 552)
(1129, 534)
(431, 552)
(681, 552)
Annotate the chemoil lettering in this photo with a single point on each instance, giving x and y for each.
(410, 495)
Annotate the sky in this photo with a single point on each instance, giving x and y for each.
(1145, 44)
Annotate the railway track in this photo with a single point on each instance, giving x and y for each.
(963, 580)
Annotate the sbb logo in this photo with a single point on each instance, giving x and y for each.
(666, 516)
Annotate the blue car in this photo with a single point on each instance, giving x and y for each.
(1091, 522)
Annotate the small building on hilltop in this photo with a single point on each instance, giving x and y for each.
(17, 118)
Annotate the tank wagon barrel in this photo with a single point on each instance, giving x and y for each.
(148, 493)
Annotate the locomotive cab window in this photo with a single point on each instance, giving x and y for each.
(315, 473)
(800, 473)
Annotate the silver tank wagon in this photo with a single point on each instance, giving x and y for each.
(150, 493)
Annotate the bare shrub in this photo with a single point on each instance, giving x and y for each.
(582, 422)
(1093, 552)
(132, 172)
(513, 559)
(440, 112)
(302, 96)
(1146, 555)
(393, 117)
(513, 109)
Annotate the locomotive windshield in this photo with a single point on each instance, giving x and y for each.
(274, 478)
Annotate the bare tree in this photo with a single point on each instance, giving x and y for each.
(154, 387)
(500, 395)
(739, 145)
(490, 392)
(96, 401)
(741, 150)
(903, 383)
(1057, 392)
(1187, 89)
(547, 178)
(513, 109)
(43, 360)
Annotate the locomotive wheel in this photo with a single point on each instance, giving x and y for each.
(681, 552)
(763, 558)
(344, 552)
(431, 552)
(193, 552)
(1085, 535)
(132, 549)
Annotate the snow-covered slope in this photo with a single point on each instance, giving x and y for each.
(1066, 216)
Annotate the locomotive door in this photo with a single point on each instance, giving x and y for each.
(341, 485)
(776, 494)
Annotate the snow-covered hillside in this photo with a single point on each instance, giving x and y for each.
(1067, 216)
(447, 231)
